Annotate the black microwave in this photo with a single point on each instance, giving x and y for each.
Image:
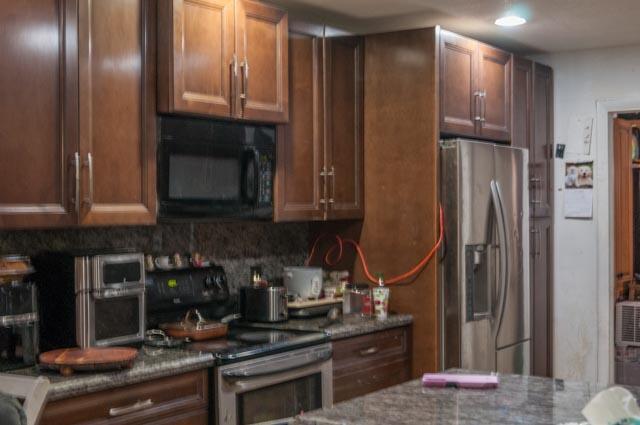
(213, 169)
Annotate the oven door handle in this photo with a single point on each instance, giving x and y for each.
(278, 367)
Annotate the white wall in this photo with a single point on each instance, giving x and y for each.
(581, 80)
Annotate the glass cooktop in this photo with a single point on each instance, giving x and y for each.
(247, 343)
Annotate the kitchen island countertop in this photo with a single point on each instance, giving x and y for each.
(347, 327)
(517, 400)
(150, 364)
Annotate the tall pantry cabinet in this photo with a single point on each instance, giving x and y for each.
(532, 120)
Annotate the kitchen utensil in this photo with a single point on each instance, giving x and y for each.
(333, 316)
(264, 303)
(14, 268)
(158, 338)
(163, 262)
(68, 360)
(195, 327)
(304, 282)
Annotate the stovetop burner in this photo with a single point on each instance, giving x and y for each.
(246, 343)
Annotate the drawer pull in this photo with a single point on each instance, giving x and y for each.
(369, 351)
(135, 407)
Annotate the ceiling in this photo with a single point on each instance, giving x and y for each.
(554, 25)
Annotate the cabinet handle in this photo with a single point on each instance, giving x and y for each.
(332, 173)
(483, 103)
(75, 201)
(135, 407)
(535, 180)
(89, 164)
(234, 82)
(476, 105)
(536, 242)
(369, 351)
(245, 80)
(323, 174)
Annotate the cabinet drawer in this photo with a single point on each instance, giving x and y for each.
(181, 399)
(369, 350)
(365, 381)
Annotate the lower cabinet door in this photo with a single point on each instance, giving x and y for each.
(371, 362)
(181, 399)
(541, 283)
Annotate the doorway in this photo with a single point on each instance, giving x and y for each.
(626, 243)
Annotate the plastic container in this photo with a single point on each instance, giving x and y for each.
(357, 300)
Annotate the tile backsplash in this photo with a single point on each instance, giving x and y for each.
(234, 245)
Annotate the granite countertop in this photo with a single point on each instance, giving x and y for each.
(348, 326)
(517, 400)
(150, 364)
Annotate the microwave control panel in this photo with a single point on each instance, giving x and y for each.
(265, 194)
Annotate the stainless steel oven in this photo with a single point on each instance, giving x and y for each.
(275, 388)
(91, 299)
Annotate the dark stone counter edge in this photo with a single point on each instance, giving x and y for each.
(367, 329)
(105, 381)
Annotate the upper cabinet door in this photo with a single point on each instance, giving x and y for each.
(299, 187)
(262, 49)
(344, 88)
(117, 111)
(494, 85)
(195, 58)
(458, 93)
(521, 103)
(38, 130)
(541, 151)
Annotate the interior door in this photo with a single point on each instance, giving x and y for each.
(494, 84)
(542, 147)
(299, 186)
(262, 49)
(196, 39)
(478, 247)
(459, 101)
(344, 121)
(513, 313)
(38, 104)
(117, 111)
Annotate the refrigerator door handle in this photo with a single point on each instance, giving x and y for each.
(496, 198)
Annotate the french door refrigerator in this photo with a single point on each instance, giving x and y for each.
(485, 275)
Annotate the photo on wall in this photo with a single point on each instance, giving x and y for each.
(578, 190)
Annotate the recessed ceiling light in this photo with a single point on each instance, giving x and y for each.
(510, 21)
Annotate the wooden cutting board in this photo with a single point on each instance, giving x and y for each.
(68, 360)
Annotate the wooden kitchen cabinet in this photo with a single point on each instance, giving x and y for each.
(89, 87)
(262, 49)
(532, 128)
(39, 126)
(475, 89)
(541, 150)
(371, 362)
(542, 295)
(223, 58)
(300, 157)
(116, 52)
(195, 58)
(320, 170)
(175, 400)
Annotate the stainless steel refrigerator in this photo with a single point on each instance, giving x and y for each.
(485, 275)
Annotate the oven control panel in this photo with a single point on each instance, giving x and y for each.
(185, 287)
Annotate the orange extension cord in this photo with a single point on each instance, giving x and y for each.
(339, 245)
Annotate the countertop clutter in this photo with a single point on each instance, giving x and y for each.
(157, 363)
(518, 399)
(347, 326)
(150, 364)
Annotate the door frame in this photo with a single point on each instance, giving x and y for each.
(604, 221)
